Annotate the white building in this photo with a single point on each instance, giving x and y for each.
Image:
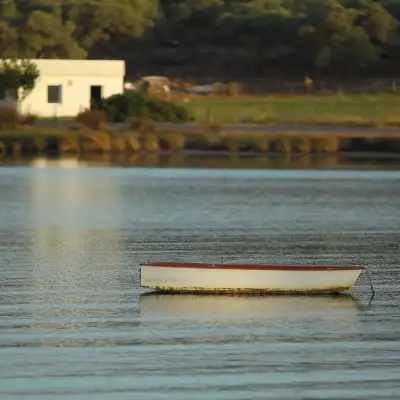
(67, 87)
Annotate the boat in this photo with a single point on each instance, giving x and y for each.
(217, 278)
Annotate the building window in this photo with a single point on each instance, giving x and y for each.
(54, 94)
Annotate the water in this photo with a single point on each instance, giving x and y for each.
(74, 323)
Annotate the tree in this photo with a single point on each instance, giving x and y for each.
(214, 37)
(353, 49)
(339, 40)
(379, 24)
(46, 35)
(18, 77)
(8, 40)
(103, 25)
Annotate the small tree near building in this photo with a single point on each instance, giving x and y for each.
(18, 78)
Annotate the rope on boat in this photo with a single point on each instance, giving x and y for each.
(370, 281)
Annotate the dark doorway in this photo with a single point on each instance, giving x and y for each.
(2, 92)
(95, 94)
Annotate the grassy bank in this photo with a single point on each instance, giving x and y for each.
(378, 110)
(55, 140)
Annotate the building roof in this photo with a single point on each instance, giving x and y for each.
(58, 67)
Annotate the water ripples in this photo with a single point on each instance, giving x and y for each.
(74, 323)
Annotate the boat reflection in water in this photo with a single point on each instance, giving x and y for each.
(192, 306)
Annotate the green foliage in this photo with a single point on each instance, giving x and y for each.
(103, 25)
(378, 23)
(46, 35)
(124, 107)
(244, 36)
(18, 77)
(8, 40)
(71, 28)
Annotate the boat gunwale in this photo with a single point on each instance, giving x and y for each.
(251, 267)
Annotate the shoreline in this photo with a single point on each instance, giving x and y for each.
(284, 126)
(342, 155)
(266, 141)
(197, 159)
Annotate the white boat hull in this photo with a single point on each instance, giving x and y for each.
(170, 277)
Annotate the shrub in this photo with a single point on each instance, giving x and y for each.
(328, 144)
(95, 142)
(39, 143)
(9, 117)
(122, 107)
(301, 145)
(260, 144)
(151, 143)
(232, 144)
(204, 141)
(133, 141)
(119, 142)
(219, 89)
(281, 145)
(172, 141)
(93, 119)
(28, 119)
(70, 143)
(164, 111)
(142, 124)
(233, 89)
(213, 127)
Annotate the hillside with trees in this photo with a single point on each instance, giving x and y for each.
(213, 38)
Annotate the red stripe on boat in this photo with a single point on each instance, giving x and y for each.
(250, 266)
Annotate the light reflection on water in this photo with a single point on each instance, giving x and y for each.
(75, 324)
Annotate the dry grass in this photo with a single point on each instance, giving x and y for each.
(261, 144)
(40, 143)
(100, 141)
(330, 144)
(301, 145)
(151, 142)
(9, 117)
(93, 119)
(232, 143)
(281, 145)
(172, 141)
(202, 140)
(28, 119)
(70, 143)
(142, 124)
(91, 141)
(133, 141)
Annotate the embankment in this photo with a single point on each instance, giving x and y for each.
(58, 141)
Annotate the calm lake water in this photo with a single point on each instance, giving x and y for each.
(74, 323)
